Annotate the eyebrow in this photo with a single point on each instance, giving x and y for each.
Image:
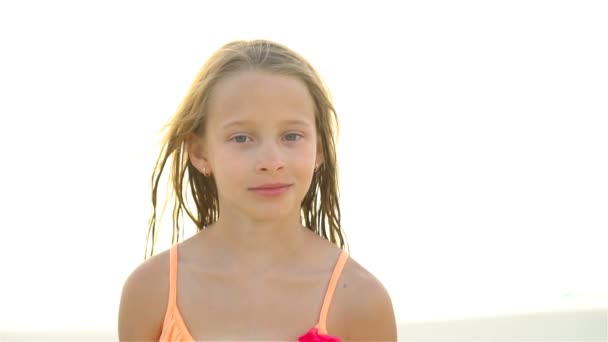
(251, 122)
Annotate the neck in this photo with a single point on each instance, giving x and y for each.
(256, 244)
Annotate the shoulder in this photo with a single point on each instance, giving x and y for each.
(144, 299)
(364, 305)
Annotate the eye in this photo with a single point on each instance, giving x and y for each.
(293, 136)
(240, 138)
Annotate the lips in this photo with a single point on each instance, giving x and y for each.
(271, 190)
(271, 186)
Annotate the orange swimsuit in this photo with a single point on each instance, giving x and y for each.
(174, 327)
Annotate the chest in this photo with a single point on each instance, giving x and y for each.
(221, 307)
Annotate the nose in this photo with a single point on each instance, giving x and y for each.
(270, 159)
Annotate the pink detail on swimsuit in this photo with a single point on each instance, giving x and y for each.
(313, 336)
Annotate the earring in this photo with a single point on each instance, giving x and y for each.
(205, 173)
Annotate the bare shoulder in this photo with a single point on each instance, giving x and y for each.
(144, 299)
(364, 306)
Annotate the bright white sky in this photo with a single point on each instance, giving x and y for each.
(474, 145)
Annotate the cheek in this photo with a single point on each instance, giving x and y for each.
(229, 167)
(304, 162)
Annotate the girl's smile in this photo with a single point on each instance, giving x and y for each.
(271, 190)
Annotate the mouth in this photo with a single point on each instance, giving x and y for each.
(271, 186)
(271, 190)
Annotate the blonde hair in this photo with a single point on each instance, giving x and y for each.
(320, 208)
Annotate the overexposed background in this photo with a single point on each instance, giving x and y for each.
(473, 147)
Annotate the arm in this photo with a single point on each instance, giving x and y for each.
(365, 310)
(372, 318)
(143, 303)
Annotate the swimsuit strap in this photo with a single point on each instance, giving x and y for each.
(331, 288)
(173, 276)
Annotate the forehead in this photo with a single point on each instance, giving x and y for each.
(260, 96)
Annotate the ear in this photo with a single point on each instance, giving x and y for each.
(197, 153)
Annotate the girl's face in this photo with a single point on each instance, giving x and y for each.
(260, 144)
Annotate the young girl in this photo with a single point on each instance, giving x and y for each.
(252, 146)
